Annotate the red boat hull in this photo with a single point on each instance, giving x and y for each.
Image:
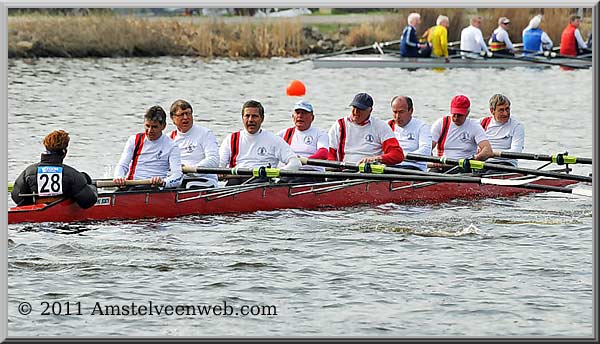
(166, 204)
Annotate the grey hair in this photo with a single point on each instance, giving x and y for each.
(498, 99)
(440, 19)
(476, 17)
(413, 16)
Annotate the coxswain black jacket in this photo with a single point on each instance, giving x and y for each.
(76, 185)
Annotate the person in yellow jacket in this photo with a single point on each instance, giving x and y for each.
(438, 37)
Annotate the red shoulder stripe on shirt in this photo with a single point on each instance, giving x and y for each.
(289, 133)
(235, 148)
(485, 123)
(342, 144)
(443, 135)
(139, 143)
(173, 134)
(392, 124)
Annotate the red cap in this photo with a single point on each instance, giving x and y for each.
(460, 105)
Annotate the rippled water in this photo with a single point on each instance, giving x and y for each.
(496, 267)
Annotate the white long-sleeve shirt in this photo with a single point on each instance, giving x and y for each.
(199, 148)
(257, 150)
(471, 39)
(361, 140)
(580, 41)
(158, 158)
(306, 143)
(415, 138)
(461, 141)
(506, 137)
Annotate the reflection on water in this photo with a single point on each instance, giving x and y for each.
(489, 267)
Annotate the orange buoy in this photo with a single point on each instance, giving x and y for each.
(296, 88)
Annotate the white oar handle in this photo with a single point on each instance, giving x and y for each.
(109, 183)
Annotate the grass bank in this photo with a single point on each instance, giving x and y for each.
(108, 35)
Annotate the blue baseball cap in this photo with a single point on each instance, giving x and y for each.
(304, 105)
(362, 101)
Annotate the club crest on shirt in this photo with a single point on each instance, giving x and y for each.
(369, 138)
(410, 136)
(262, 151)
(190, 148)
(158, 155)
(308, 140)
(465, 137)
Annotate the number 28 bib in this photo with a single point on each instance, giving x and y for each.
(49, 180)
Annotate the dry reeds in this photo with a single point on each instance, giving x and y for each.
(108, 35)
(111, 36)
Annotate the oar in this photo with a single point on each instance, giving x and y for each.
(368, 168)
(524, 58)
(105, 183)
(374, 46)
(534, 60)
(275, 172)
(480, 165)
(559, 159)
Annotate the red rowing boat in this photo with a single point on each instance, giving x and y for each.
(255, 197)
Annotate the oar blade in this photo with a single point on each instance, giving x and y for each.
(582, 191)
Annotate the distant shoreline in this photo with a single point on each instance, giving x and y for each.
(33, 36)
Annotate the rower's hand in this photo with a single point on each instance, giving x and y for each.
(370, 159)
(157, 181)
(119, 181)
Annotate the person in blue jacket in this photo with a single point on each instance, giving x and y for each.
(409, 43)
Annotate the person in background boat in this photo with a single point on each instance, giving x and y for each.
(151, 155)
(589, 41)
(305, 140)
(459, 137)
(198, 145)
(414, 135)
(471, 39)
(500, 40)
(362, 138)
(409, 44)
(503, 131)
(254, 147)
(438, 38)
(571, 42)
(50, 179)
(535, 40)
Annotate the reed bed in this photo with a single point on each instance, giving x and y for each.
(107, 35)
(114, 36)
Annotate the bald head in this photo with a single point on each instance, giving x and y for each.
(402, 109)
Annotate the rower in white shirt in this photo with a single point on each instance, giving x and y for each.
(471, 39)
(306, 140)
(459, 137)
(503, 131)
(362, 138)
(151, 155)
(500, 41)
(254, 147)
(414, 135)
(198, 145)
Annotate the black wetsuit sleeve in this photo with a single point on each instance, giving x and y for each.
(83, 193)
(21, 187)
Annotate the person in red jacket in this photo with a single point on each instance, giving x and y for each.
(571, 41)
